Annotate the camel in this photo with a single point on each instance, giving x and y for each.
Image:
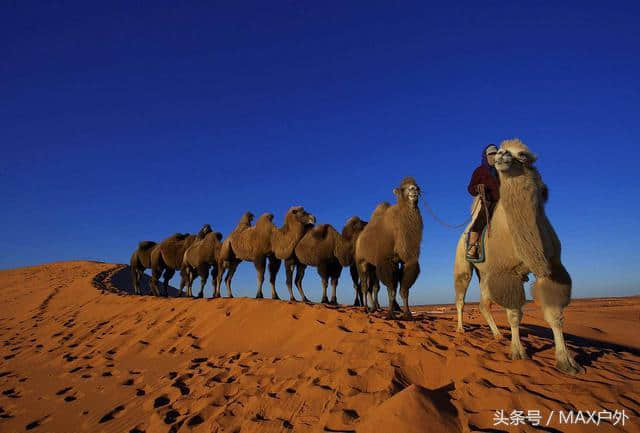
(258, 244)
(167, 256)
(329, 251)
(140, 261)
(389, 247)
(249, 243)
(297, 221)
(520, 240)
(198, 258)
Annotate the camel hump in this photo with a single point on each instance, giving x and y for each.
(321, 231)
(266, 219)
(145, 245)
(380, 209)
(178, 237)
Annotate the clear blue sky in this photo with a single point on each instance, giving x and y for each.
(121, 122)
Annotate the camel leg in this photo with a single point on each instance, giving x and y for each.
(300, 270)
(363, 274)
(462, 273)
(334, 288)
(156, 273)
(274, 267)
(203, 273)
(387, 273)
(409, 276)
(375, 290)
(288, 270)
(564, 361)
(553, 294)
(260, 263)
(214, 280)
(514, 316)
(485, 309)
(222, 267)
(323, 271)
(233, 266)
(461, 283)
(168, 274)
(356, 286)
(336, 270)
(184, 282)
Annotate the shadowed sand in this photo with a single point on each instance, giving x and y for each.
(78, 355)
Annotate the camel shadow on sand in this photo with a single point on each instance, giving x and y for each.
(588, 350)
(119, 281)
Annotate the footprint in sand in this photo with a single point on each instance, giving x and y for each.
(111, 414)
(163, 400)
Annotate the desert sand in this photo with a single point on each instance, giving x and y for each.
(78, 354)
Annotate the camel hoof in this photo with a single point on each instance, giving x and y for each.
(231, 296)
(324, 300)
(276, 297)
(292, 299)
(569, 366)
(460, 329)
(200, 295)
(334, 301)
(497, 337)
(306, 300)
(180, 294)
(517, 354)
(259, 296)
(407, 316)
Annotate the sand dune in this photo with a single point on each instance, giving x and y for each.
(76, 357)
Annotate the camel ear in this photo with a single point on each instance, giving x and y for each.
(396, 191)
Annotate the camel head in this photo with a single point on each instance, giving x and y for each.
(353, 226)
(513, 156)
(301, 216)
(408, 191)
(206, 229)
(247, 218)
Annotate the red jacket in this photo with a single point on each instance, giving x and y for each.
(481, 175)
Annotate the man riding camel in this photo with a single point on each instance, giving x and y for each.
(484, 181)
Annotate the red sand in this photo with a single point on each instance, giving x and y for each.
(74, 358)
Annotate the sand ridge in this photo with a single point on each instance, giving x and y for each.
(78, 354)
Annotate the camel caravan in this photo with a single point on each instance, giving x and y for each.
(517, 239)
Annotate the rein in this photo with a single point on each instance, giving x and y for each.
(442, 222)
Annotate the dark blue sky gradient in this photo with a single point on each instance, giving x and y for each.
(123, 122)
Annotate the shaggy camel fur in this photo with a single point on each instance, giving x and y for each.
(198, 258)
(140, 261)
(389, 247)
(328, 250)
(167, 256)
(520, 241)
(252, 244)
(284, 240)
